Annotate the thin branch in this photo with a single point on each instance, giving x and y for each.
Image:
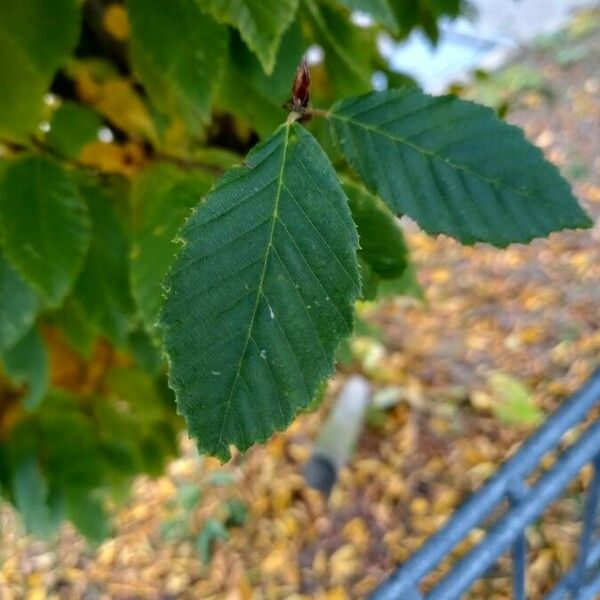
(188, 164)
(319, 112)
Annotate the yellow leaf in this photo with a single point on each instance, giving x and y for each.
(337, 593)
(343, 564)
(357, 533)
(112, 158)
(120, 103)
(116, 22)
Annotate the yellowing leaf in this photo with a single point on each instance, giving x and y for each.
(116, 22)
(514, 403)
(119, 102)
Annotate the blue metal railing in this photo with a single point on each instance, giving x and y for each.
(507, 533)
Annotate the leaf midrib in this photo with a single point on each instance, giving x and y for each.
(259, 290)
(430, 153)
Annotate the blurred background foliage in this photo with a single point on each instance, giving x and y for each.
(115, 119)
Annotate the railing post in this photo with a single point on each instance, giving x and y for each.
(517, 493)
(590, 514)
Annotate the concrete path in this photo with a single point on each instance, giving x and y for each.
(484, 39)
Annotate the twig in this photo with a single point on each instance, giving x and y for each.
(319, 112)
(187, 163)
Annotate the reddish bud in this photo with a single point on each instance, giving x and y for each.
(301, 87)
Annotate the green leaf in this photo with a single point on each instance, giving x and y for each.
(453, 167)
(161, 199)
(145, 350)
(139, 391)
(424, 13)
(36, 36)
(261, 23)
(72, 127)
(261, 294)
(237, 512)
(370, 281)
(72, 319)
(19, 305)
(45, 225)
(379, 10)
(68, 437)
(346, 48)
(189, 496)
(31, 498)
(87, 514)
(27, 362)
(179, 54)
(382, 244)
(250, 94)
(514, 404)
(405, 285)
(211, 531)
(102, 288)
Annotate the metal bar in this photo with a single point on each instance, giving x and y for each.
(472, 512)
(517, 493)
(592, 589)
(564, 585)
(519, 553)
(589, 519)
(507, 529)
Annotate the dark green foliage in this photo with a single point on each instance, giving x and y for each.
(263, 291)
(262, 278)
(44, 224)
(27, 363)
(454, 167)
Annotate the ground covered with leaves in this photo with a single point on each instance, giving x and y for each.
(501, 340)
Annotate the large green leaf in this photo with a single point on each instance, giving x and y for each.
(261, 23)
(36, 36)
(261, 293)
(45, 225)
(27, 362)
(382, 244)
(453, 167)
(19, 306)
(161, 199)
(179, 53)
(102, 288)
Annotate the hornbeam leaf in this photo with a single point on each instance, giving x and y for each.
(45, 225)
(27, 362)
(31, 498)
(19, 305)
(179, 53)
(36, 37)
(102, 288)
(161, 199)
(261, 23)
(261, 294)
(453, 167)
(382, 244)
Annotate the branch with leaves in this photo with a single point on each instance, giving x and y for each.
(271, 253)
